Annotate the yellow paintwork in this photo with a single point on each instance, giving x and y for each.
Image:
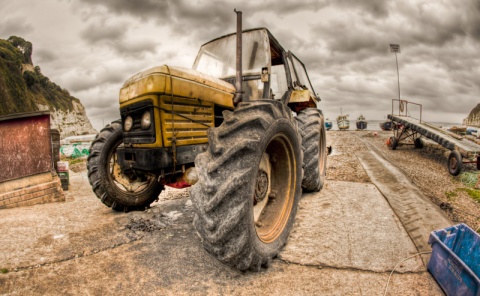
(185, 131)
(194, 95)
(298, 96)
(185, 83)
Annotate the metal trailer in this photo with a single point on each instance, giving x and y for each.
(406, 127)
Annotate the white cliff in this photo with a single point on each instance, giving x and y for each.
(70, 123)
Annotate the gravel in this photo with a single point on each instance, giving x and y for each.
(427, 169)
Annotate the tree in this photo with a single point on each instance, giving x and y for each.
(24, 46)
(30, 78)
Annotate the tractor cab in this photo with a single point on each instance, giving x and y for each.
(269, 71)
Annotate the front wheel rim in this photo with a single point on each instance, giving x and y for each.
(121, 181)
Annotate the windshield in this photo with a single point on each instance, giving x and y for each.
(301, 74)
(217, 58)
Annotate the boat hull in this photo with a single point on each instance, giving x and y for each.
(386, 125)
(361, 125)
(343, 124)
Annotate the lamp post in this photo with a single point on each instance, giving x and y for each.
(396, 48)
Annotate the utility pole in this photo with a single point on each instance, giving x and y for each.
(396, 48)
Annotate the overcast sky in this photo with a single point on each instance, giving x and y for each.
(91, 47)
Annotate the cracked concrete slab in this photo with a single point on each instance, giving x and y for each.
(55, 232)
(418, 214)
(349, 226)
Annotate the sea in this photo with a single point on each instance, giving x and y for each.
(374, 125)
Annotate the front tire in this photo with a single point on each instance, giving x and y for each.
(114, 188)
(312, 130)
(249, 184)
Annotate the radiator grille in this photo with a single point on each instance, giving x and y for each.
(188, 122)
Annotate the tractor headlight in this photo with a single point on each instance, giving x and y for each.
(146, 120)
(127, 124)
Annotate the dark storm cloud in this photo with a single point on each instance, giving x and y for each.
(16, 25)
(143, 9)
(286, 7)
(204, 20)
(200, 22)
(101, 32)
(353, 36)
(343, 43)
(84, 81)
(418, 24)
(210, 19)
(376, 8)
(473, 15)
(116, 37)
(192, 12)
(437, 23)
(435, 63)
(428, 26)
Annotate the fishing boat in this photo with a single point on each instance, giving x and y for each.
(361, 122)
(342, 121)
(459, 130)
(471, 131)
(328, 124)
(386, 125)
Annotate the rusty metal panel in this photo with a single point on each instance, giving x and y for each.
(25, 145)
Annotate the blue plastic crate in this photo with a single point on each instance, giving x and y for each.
(455, 260)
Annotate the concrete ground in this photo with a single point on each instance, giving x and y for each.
(346, 241)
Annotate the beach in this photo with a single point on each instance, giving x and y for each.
(427, 169)
(351, 235)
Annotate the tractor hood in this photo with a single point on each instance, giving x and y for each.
(184, 83)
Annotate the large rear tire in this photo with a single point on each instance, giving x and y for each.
(249, 184)
(312, 130)
(115, 189)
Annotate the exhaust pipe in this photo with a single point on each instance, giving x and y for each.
(238, 82)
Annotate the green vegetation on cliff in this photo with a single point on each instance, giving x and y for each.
(21, 90)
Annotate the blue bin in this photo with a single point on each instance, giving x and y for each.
(455, 260)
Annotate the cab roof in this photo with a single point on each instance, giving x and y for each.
(275, 47)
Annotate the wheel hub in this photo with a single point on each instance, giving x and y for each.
(124, 181)
(261, 188)
(453, 164)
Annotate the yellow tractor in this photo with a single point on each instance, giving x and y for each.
(242, 126)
